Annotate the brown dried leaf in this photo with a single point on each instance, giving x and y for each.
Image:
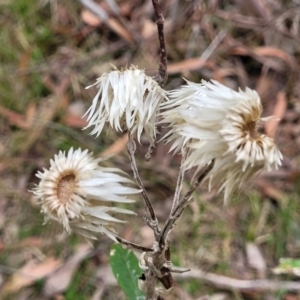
(240, 50)
(46, 110)
(120, 30)
(30, 114)
(264, 85)
(279, 112)
(182, 294)
(117, 147)
(220, 74)
(14, 118)
(2, 245)
(261, 54)
(270, 191)
(255, 259)
(29, 242)
(256, 7)
(29, 273)
(217, 296)
(89, 18)
(74, 121)
(291, 297)
(104, 273)
(240, 20)
(99, 291)
(149, 28)
(190, 64)
(59, 281)
(23, 64)
(275, 52)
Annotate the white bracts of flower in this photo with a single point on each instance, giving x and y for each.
(127, 99)
(73, 190)
(218, 123)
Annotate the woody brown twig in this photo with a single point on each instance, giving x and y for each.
(162, 75)
(151, 219)
(132, 246)
(181, 205)
(159, 267)
(180, 178)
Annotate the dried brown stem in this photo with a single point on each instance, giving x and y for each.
(157, 262)
(162, 75)
(179, 179)
(200, 178)
(152, 222)
(133, 246)
(157, 270)
(150, 282)
(182, 203)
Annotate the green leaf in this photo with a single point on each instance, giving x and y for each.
(126, 269)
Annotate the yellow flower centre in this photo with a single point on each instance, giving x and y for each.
(65, 187)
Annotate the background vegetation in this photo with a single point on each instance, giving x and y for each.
(51, 50)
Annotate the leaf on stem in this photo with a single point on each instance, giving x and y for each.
(126, 269)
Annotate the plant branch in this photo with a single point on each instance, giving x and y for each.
(133, 246)
(179, 179)
(152, 223)
(228, 283)
(182, 203)
(217, 281)
(162, 75)
(157, 262)
(150, 282)
(196, 183)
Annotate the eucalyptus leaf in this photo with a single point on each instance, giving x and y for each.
(126, 269)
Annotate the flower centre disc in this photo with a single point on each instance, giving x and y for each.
(65, 188)
(251, 128)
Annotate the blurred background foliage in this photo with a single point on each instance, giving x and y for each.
(51, 50)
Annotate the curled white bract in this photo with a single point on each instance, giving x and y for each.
(218, 123)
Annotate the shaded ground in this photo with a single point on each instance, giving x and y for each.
(50, 51)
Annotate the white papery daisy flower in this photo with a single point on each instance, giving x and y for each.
(222, 125)
(74, 190)
(126, 99)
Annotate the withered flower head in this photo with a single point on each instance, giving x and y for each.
(220, 124)
(126, 99)
(73, 192)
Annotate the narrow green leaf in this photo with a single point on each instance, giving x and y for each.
(126, 269)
